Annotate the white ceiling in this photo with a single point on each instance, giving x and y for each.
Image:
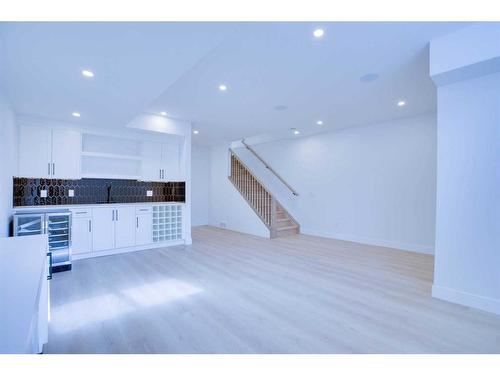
(177, 67)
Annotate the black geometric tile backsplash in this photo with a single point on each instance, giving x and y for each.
(94, 191)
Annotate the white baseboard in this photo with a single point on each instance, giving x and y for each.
(103, 253)
(466, 299)
(417, 248)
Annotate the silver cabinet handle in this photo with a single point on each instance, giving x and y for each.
(113, 215)
(49, 276)
(160, 174)
(90, 225)
(48, 168)
(53, 168)
(137, 222)
(116, 215)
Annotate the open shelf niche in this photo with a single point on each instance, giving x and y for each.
(105, 156)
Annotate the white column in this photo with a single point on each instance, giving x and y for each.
(466, 67)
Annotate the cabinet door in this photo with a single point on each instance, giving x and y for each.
(66, 153)
(103, 228)
(125, 226)
(34, 151)
(144, 229)
(151, 161)
(81, 235)
(171, 161)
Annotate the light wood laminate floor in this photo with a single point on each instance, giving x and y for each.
(236, 293)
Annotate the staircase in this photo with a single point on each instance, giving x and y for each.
(279, 222)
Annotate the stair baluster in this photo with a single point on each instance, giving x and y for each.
(261, 200)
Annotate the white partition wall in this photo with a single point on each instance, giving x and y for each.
(200, 190)
(466, 67)
(8, 135)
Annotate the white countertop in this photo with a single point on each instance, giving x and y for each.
(23, 262)
(77, 206)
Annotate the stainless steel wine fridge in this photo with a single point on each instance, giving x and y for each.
(57, 225)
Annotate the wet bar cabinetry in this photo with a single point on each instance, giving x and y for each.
(49, 153)
(167, 223)
(70, 153)
(161, 161)
(107, 229)
(81, 231)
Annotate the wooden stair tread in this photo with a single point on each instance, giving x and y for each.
(287, 228)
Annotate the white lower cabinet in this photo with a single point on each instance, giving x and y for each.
(103, 220)
(100, 229)
(143, 226)
(114, 227)
(81, 235)
(124, 226)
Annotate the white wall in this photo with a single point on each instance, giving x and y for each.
(200, 184)
(373, 184)
(467, 268)
(466, 67)
(8, 141)
(226, 204)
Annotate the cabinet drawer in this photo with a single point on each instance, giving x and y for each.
(141, 210)
(83, 212)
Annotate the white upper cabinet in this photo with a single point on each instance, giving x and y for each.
(151, 161)
(161, 161)
(66, 153)
(49, 153)
(170, 160)
(35, 149)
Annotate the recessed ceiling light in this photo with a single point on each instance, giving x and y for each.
(401, 103)
(76, 114)
(319, 122)
(196, 132)
(222, 87)
(163, 113)
(318, 33)
(295, 131)
(87, 73)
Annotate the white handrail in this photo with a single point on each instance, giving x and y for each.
(269, 167)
